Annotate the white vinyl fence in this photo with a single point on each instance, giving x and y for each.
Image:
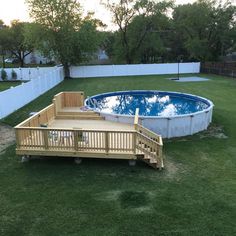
(26, 73)
(137, 69)
(16, 97)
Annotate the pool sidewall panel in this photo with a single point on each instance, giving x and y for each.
(168, 127)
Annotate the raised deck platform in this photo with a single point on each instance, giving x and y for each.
(90, 124)
(66, 130)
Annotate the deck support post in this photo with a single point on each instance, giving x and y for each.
(78, 160)
(25, 158)
(132, 162)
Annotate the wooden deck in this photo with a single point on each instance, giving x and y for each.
(90, 125)
(67, 131)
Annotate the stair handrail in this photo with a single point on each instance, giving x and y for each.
(150, 136)
(158, 152)
(148, 133)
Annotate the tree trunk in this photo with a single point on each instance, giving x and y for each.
(3, 61)
(66, 70)
(128, 59)
(22, 62)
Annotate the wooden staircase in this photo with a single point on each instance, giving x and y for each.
(148, 145)
(149, 152)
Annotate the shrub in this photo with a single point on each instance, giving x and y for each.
(13, 75)
(3, 74)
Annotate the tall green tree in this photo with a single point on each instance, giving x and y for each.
(16, 41)
(136, 20)
(61, 31)
(4, 39)
(204, 28)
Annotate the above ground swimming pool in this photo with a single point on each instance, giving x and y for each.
(169, 114)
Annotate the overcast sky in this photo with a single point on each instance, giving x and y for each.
(17, 9)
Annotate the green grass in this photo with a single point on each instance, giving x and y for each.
(6, 85)
(194, 195)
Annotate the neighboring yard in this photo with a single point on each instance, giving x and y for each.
(7, 85)
(194, 195)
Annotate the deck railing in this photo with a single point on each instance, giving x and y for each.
(148, 142)
(93, 141)
(45, 116)
(76, 139)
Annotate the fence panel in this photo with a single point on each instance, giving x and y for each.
(16, 97)
(219, 68)
(27, 73)
(136, 69)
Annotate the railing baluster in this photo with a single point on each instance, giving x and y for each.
(106, 142)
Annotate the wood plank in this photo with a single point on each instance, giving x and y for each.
(76, 154)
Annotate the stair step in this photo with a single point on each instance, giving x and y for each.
(153, 165)
(150, 159)
(75, 117)
(79, 113)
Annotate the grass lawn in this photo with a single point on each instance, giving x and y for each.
(7, 85)
(194, 195)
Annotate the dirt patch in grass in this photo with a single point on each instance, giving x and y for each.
(172, 170)
(7, 136)
(133, 199)
(213, 131)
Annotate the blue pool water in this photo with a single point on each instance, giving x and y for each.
(150, 103)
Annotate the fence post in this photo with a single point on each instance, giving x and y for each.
(29, 74)
(38, 71)
(21, 73)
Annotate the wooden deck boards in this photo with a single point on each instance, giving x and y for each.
(71, 109)
(90, 125)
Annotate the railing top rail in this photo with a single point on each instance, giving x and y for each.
(75, 129)
(58, 94)
(76, 92)
(149, 139)
(152, 134)
(149, 131)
